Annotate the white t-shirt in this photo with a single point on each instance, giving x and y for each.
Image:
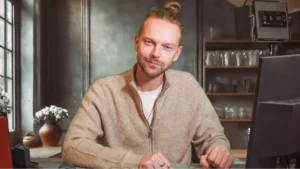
(148, 99)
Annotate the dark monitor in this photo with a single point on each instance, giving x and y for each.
(275, 127)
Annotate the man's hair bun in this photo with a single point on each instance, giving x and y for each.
(173, 6)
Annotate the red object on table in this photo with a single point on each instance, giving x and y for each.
(5, 149)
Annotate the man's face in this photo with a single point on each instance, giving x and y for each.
(157, 46)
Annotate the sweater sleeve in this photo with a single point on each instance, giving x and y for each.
(80, 145)
(210, 132)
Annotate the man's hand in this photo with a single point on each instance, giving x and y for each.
(154, 161)
(217, 157)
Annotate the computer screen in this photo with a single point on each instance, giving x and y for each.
(275, 126)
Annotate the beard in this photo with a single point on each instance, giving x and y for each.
(152, 67)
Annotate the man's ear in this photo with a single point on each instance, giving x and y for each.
(177, 54)
(136, 42)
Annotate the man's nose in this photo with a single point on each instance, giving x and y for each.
(155, 51)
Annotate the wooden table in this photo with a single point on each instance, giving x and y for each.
(45, 152)
(56, 162)
(239, 153)
(55, 152)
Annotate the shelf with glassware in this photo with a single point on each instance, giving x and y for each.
(229, 74)
(229, 71)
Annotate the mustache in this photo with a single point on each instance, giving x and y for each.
(153, 60)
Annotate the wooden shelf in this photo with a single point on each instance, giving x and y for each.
(292, 41)
(230, 70)
(235, 120)
(230, 67)
(230, 94)
(244, 41)
(228, 41)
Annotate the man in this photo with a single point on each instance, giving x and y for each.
(150, 116)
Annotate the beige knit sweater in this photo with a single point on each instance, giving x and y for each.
(110, 130)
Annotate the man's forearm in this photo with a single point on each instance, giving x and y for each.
(86, 153)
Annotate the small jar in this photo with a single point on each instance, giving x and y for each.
(29, 140)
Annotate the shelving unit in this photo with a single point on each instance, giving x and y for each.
(235, 128)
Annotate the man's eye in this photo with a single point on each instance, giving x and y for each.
(167, 48)
(148, 42)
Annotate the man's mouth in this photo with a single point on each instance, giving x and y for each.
(153, 63)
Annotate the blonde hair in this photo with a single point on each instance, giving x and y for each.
(170, 13)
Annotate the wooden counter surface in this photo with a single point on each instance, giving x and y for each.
(55, 152)
(239, 153)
